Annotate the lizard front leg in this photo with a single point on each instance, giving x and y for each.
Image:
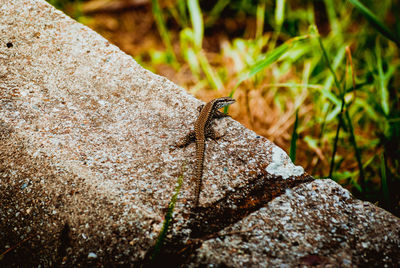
(191, 137)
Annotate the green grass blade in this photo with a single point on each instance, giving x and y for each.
(162, 28)
(197, 22)
(340, 115)
(375, 22)
(335, 143)
(329, 65)
(214, 14)
(269, 58)
(384, 185)
(279, 13)
(194, 64)
(182, 13)
(340, 119)
(212, 77)
(197, 38)
(358, 86)
(295, 136)
(167, 220)
(260, 17)
(331, 11)
(190, 56)
(384, 94)
(330, 95)
(362, 104)
(356, 149)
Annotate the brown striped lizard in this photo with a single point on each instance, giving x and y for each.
(202, 131)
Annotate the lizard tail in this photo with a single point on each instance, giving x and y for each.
(199, 172)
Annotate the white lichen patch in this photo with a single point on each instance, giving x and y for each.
(281, 165)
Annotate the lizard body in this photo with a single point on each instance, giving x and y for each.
(202, 131)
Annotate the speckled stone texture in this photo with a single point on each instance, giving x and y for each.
(315, 224)
(88, 166)
(87, 157)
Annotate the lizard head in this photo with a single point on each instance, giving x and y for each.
(224, 101)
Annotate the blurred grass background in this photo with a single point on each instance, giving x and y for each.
(319, 78)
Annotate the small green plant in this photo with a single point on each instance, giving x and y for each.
(162, 28)
(167, 220)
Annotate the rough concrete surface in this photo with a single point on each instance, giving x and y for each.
(314, 224)
(88, 164)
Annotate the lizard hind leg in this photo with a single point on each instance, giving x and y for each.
(188, 139)
(212, 134)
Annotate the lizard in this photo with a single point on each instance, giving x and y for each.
(202, 131)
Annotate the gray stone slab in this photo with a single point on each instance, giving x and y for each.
(87, 158)
(88, 167)
(316, 224)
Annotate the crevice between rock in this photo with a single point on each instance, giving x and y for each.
(206, 222)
